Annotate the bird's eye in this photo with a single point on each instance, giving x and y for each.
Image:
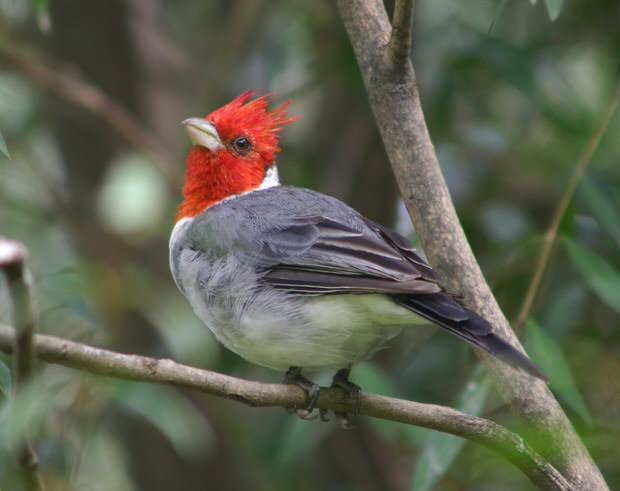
(242, 145)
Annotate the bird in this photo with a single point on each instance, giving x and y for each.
(289, 278)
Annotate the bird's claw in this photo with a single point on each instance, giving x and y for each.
(341, 380)
(294, 377)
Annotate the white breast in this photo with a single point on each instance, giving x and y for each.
(332, 331)
(275, 329)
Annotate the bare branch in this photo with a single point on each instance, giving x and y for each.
(79, 92)
(12, 262)
(395, 102)
(256, 394)
(552, 232)
(398, 50)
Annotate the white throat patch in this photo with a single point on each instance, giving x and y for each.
(271, 178)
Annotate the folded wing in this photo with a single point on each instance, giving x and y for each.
(318, 255)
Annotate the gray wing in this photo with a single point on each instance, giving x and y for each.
(310, 244)
(322, 255)
(318, 255)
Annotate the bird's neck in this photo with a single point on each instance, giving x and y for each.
(200, 194)
(271, 178)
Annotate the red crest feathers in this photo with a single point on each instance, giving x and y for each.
(213, 176)
(252, 114)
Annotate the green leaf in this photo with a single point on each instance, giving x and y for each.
(441, 449)
(547, 354)
(564, 308)
(554, 7)
(567, 224)
(598, 274)
(605, 210)
(3, 148)
(533, 2)
(177, 419)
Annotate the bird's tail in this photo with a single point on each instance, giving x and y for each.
(443, 310)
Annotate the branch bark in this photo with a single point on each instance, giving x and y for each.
(140, 368)
(399, 48)
(12, 262)
(395, 102)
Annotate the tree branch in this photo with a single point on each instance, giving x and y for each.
(256, 394)
(399, 48)
(12, 262)
(584, 160)
(79, 92)
(395, 102)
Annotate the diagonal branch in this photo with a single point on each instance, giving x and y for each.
(395, 102)
(256, 394)
(12, 263)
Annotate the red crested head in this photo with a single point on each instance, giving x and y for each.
(234, 147)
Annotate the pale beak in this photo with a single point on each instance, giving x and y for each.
(203, 133)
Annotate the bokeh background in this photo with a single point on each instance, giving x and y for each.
(91, 96)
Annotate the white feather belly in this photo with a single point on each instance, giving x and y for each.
(313, 332)
(278, 330)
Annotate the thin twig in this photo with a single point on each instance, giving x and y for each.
(12, 262)
(550, 235)
(399, 48)
(87, 96)
(140, 368)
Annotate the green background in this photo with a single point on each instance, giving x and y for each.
(511, 99)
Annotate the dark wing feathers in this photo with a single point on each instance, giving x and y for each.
(473, 329)
(404, 247)
(310, 244)
(320, 255)
(325, 244)
(440, 305)
(307, 282)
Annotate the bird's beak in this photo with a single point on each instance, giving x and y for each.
(203, 133)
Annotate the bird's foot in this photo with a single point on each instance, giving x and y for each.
(341, 380)
(294, 377)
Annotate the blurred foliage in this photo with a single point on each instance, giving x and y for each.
(3, 149)
(597, 273)
(547, 354)
(511, 100)
(554, 7)
(440, 449)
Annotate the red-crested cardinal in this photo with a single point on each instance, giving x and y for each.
(289, 278)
